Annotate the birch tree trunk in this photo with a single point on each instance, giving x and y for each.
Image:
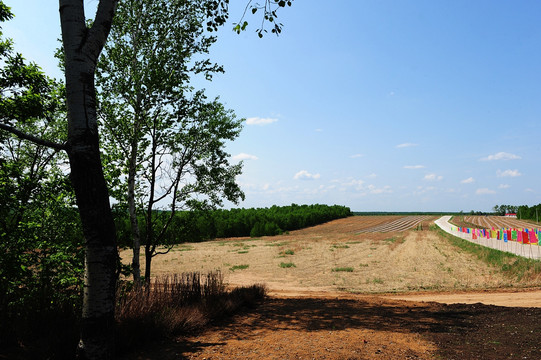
(82, 47)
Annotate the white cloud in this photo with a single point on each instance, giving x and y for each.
(468, 181)
(244, 156)
(433, 177)
(529, 190)
(508, 173)
(355, 156)
(501, 156)
(404, 145)
(318, 130)
(414, 167)
(504, 186)
(305, 175)
(260, 121)
(371, 176)
(383, 190)
(485, 191)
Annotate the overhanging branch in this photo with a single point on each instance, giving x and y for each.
(32, 138)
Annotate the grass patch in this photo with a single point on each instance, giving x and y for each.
(286, 252)
(377, 281)
(353, 242)
(340, 246)
(239, 267)
(363, 265)
(287, 265)
(277, 244)
(512, 266)
(242, 252)
(185, 248)
(342, 269)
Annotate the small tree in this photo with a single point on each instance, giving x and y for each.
(164, 140)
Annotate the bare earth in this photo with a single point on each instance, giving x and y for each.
(405, 295)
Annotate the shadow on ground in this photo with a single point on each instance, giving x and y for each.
(460, 331)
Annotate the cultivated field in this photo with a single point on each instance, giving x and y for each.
(360, 254)
(327, 302)
(498, 222)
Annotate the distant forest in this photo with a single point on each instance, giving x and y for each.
(524, 212)
(193, 226)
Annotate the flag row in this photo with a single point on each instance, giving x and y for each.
(524, 236)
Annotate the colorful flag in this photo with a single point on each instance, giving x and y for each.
(525, 238)
(514, 235)
(533, 237)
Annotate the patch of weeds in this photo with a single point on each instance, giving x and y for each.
(391, 240)
(363, 265)
(353, 242)
(277, 244)
(286, 252)
(377, 281)
(342, 269)
(287, 265)
(373, 248)
(185, 248)
(340, 246)
(242, 252)
(239, 267)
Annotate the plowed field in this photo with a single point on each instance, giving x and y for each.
(498, 222)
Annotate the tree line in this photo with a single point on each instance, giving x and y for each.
(194, 226)
(523, 211)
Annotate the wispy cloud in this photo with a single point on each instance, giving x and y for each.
(260, 121)
(504, 186)
(244, 156)
(433, 177)
(484, 191)
(355, 156)
(382, 190)
(468, 181)
(414, 167)
(508, 173)
(501, 156)
(405, 145)
(305, 175)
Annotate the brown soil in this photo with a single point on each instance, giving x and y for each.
(309, 316)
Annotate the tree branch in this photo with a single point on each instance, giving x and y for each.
(34, 139)
(100, 28)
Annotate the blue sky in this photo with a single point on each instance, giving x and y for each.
(376, 105)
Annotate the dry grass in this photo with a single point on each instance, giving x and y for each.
(383, 262)
(176, 304)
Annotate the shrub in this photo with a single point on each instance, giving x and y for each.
(177, 304)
